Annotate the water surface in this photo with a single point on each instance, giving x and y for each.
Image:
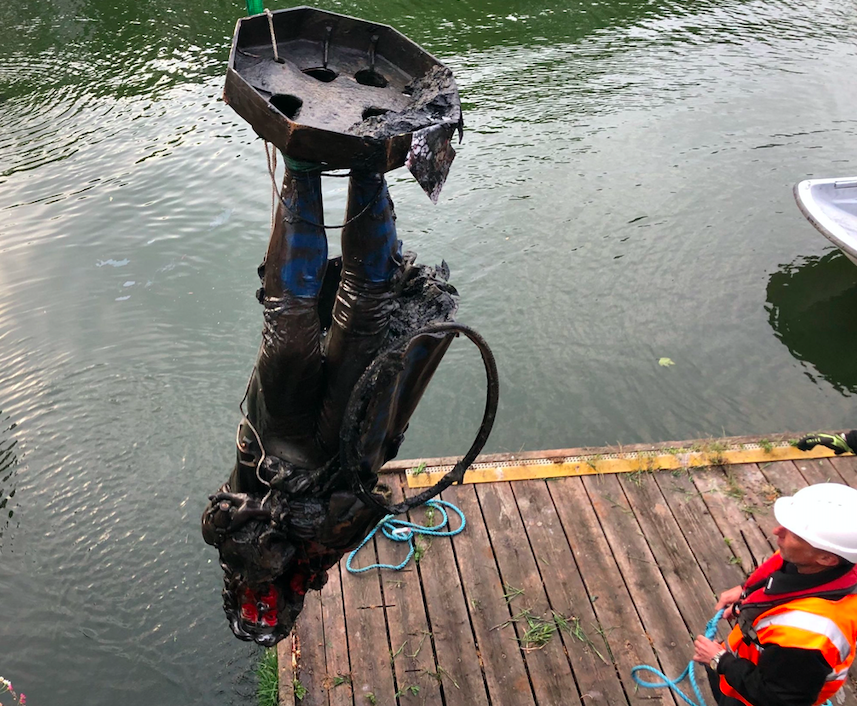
(623, 194)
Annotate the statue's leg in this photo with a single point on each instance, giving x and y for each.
(371, 256)
(285, 393)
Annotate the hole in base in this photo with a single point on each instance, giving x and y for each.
(373, 112)
(368, 77)
(321, 74)
(287, 104)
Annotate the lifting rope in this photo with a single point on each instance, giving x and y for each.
(402, 531)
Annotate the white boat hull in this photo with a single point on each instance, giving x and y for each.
(831, 206)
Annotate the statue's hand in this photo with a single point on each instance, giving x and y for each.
(240, 508)
(227, 512)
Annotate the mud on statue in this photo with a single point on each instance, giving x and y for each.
(348, 348)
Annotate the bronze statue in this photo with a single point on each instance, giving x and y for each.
(349, 344)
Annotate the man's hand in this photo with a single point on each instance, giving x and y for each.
(834, 442)
(727, 600)
(704, 649)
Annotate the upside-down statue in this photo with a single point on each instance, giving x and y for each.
(349, 344)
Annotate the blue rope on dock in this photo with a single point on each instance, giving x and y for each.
(710, 631)
(402, 531)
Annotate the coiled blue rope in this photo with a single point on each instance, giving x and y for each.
(402, 531)
(710, 631)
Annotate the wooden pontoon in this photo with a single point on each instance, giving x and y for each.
(631, 560)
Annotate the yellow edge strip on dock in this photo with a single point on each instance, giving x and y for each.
(633, 462)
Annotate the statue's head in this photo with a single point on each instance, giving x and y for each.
(264, 612)
(266, 576)
(256, 560)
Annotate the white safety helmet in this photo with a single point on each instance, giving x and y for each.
(824, 515)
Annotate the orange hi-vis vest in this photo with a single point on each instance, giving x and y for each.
(822, 618)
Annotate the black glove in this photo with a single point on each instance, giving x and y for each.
(838, 443)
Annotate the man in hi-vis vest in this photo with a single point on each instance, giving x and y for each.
(796, 628)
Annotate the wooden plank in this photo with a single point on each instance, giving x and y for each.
(548, 454)
(550, 673)
(286, 672)
(723, 497)
(783, 476)
(663, 623)
(618, 462)
(502, 660)
(588, 653)
(715, 557)
(338, 678)
(685, 581)
(413, 655)
(459, 671)
(760, 491)
(847, 467)
(369, 647)
(818, 471)
(311, 667)
(628, 643)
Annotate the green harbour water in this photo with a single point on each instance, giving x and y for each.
(622, 195)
